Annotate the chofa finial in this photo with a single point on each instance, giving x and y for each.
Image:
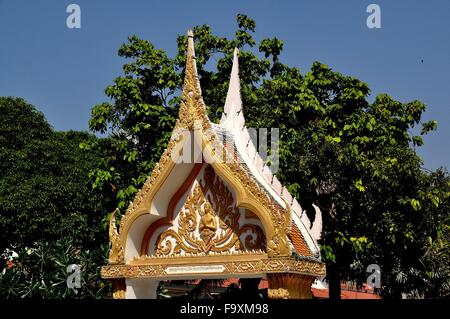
(233, 115)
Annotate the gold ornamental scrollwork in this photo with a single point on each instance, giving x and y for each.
(209, 211)
(192, 107)
(278, 293)
(116, 253)
(279, 245)
(261, 266)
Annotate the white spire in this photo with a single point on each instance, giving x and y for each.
(233, 121)
(232, 112)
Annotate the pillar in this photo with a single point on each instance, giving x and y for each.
(289, 286)
(141, 288)
(119, 288)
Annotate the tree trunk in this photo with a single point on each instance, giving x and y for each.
(334, 282)
(249, 287)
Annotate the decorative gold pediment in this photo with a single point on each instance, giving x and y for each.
(275, 219)
(220, 223)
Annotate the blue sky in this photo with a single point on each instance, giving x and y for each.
(64, 72)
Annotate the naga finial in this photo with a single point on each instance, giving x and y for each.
(116, 255)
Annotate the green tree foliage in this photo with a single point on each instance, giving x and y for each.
(356, 160)
(41, 272)
(430, 277)
(45, 192)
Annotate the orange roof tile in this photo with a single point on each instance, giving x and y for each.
(299, 242)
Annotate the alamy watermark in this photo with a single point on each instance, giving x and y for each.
(374, 279)
(73, 20)
(374, 19)
(74, 277)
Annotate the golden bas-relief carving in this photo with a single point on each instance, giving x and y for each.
(257, 264)
(209, 211)
(116, 254)
(208, 225)
(279, 244)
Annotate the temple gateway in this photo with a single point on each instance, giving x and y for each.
(221, 215)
